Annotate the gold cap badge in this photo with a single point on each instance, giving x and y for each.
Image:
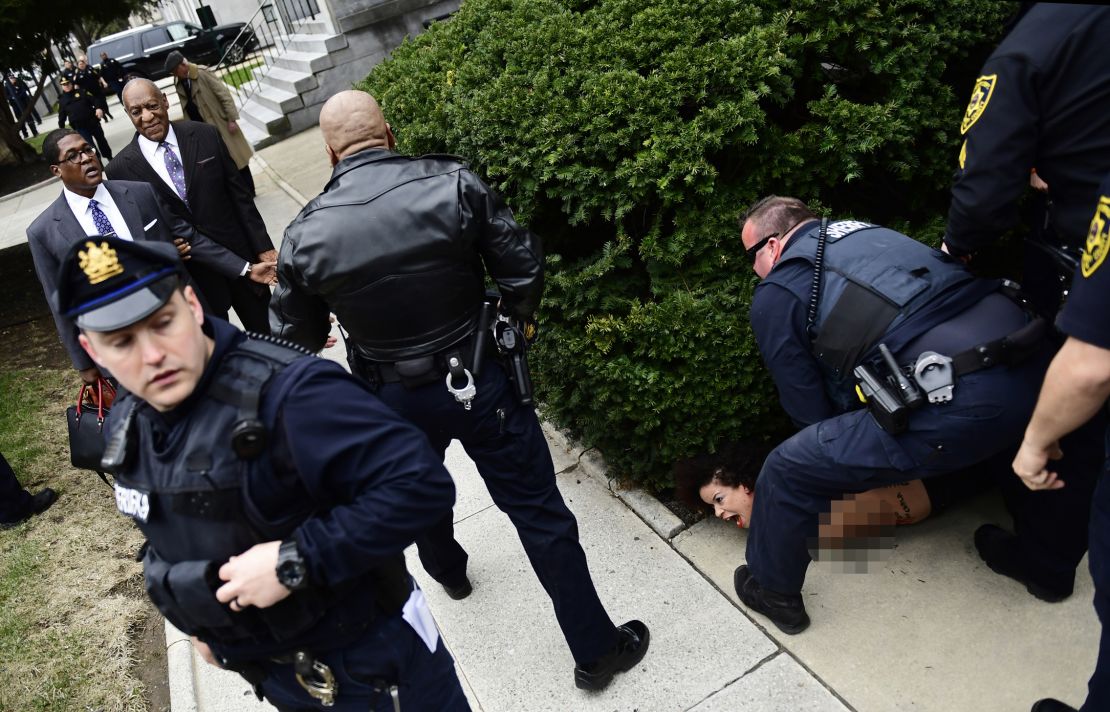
(99, 263)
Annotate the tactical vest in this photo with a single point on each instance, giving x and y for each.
(875, 282)
(190, 499)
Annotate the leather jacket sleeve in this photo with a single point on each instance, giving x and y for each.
(512, 254)
(297, 314)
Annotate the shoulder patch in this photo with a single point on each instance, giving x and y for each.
(1098, 238)
(980, 97)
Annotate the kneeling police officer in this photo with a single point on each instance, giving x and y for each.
(276, 494)
(948, 365)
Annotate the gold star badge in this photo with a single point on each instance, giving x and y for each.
(99, 262)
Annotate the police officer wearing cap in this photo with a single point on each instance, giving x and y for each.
(1076, 386)
(398, 248)
(947, 366)
(79, 108)
(275, 492)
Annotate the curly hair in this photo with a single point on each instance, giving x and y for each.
(735, 464)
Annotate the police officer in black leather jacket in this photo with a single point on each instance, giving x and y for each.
(398, 248)
(275, 493)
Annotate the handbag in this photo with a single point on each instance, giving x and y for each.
(86, 425)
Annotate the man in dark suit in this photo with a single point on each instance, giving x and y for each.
(90, 206)
(189, 166)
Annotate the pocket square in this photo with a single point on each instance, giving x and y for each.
(150, 224)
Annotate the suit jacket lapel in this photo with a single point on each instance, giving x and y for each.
(125, 201)
(66, 225)
(186, 141)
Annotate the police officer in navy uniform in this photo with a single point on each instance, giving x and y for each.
(1076, 386)
(395, 247)
(833, 294)
(80, 109)
(275, 492)
(1042, 101)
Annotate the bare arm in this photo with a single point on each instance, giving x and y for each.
(1075, 387)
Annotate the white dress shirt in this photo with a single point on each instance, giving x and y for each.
(79, 204)
(154, 153)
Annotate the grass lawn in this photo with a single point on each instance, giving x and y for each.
(71, 594)
(35, 142)
(240, 75)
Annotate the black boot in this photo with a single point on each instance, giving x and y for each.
(785, 610)
(632, 644)
(1002, 553)
(459, 591)
(1050, 705)
(39, 504)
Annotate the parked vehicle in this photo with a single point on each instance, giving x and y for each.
(142, 50)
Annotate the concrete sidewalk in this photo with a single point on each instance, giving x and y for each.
(931, 629)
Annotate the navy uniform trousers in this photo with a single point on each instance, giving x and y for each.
(850, 453)
(390, 650)
(506, 443)
(14, 500)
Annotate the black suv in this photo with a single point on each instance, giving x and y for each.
(142, 50)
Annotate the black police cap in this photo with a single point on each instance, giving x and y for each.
(106, 283)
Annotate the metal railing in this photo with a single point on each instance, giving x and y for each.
(265, 37)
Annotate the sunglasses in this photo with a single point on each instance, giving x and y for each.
(752, 251)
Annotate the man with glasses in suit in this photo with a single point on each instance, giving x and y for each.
(88, 206)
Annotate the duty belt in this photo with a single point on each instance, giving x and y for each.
(936, 373)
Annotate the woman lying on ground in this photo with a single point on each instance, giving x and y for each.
(723, 484)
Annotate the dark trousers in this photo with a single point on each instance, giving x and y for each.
(14, 500)
(95, 137)
(1098, 689)
(506, 443)
(251, 301)
(850, 453)
(390, 654)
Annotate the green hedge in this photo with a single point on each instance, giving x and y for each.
(630, 134)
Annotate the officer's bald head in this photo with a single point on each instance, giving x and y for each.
(351, 121)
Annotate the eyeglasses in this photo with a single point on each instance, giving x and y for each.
(74, 157)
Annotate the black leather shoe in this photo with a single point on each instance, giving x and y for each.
(1001, 552)
(785, 610)
(1050, 705)
(632, 644)
(39, 503)
(459, 592)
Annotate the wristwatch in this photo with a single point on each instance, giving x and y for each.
(291, 569)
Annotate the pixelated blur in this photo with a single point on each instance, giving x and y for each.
(855, 533)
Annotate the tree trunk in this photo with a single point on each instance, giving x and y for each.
(82, 36)
(9, 134)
